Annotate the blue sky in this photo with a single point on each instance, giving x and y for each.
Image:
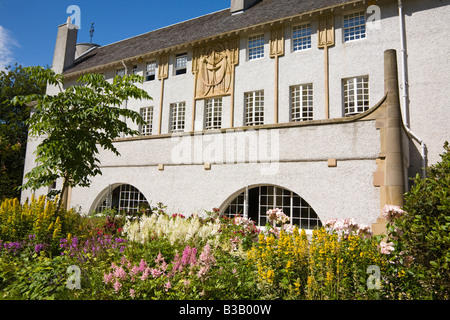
(28, 27)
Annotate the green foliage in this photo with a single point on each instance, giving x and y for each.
(75, 123)
(423, 232)
(14, 81)
(33, 278)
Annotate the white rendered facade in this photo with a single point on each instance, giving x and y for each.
(330, 162)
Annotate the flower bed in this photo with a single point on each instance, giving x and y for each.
(164, 256)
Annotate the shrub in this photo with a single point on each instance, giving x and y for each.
(332, 264)
(37, 217)
(421, 231)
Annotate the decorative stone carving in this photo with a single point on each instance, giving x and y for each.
(163, 69)
(277, 42)
(213, 67)
(326, 31)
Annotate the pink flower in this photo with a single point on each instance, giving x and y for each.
(134, 271)
(189, 256)
(167, 286)
(142, 265)
(159, 258)
(132, 293)
(145, 274)
(120, 273)
(206, 257)
(155, 273)
(117, 286)
(107, 278)
(391, 212)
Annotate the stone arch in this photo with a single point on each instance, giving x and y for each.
(121, 196)
(254, 201)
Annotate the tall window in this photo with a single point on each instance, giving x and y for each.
(150, 71)
(177, 116)
(302, 102)
(256, 47)
(356, 95)
(147, 116)
(213, 113)
(354, 26)
(181, 63)
(301, 37)
(254, 108)
(255, 202)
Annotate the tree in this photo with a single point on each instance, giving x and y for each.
(13, 128)
(75, 122)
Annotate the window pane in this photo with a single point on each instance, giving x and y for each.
(256, 47)
(354, 26)
(301, 36)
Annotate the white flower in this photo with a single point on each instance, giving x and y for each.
(386, 248)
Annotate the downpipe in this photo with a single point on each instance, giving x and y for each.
(414, 136)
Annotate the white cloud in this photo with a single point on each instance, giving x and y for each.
(7, 42)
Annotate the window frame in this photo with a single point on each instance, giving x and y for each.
(345, 29)
(147, 115)
(251, 116)
(178, 118)
(179, 70)
(302, 112)
(150, 74)
(300, 212)
(359, 105)
(302, 37)
(213, 118)
(259, 48)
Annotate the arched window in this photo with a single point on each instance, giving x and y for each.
(124, 197)
(254, 203)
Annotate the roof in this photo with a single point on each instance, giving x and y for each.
(217, 23)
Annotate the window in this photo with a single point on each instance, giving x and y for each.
(256, 47)
(301, 37)
(213, 113)
(302, 102)
(52, 191)
(177, 112)
(254, 108)
(135, 70)
(354, 26)
(150, 71)
(255, 202)
(147, 115)
(120, 72)
(356, 95)
(181, 64)
(123, 198)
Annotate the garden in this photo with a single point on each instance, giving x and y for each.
(46, 253)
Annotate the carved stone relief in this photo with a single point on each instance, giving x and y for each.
(213, 67)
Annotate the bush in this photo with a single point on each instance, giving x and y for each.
(421, 231)
(37, 217)
(332, 264)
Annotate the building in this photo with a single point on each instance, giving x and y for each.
(324, 108)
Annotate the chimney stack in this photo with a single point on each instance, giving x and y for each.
(238, 6)
(66, 41)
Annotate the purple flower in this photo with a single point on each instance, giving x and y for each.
(38, 248)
